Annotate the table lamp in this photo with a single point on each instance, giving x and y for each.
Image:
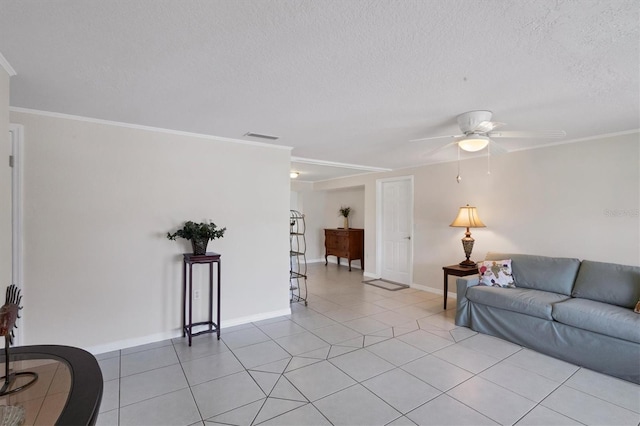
(467, 218)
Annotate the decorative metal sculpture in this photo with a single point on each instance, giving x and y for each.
(9, 313)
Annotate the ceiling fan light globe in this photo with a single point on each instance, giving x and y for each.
(473, 143)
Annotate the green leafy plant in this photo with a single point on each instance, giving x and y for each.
(345, 211)
(197, 231)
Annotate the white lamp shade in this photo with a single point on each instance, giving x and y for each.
(467, 218)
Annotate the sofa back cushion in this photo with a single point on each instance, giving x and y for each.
(609, 283)
(556, 274)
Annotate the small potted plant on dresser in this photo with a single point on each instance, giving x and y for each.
(199, 234)
(345, 212)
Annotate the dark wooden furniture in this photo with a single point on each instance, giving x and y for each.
(85, 389)
(458, 271)
(187, 327)
(348, 243)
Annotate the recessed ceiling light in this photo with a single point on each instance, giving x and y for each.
(294, 175)
(260, 135)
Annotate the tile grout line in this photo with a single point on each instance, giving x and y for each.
(119, 385)
(595, 396)
(358, 298)
(193, 397)
(542, 400)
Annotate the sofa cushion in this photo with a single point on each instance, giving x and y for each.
(526, 301)
(599, 317)
(608, 283)
(496, 273)
(555, 274)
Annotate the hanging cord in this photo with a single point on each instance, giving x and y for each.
(489, 158)
(458, 178)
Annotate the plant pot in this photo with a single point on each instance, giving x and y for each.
(200, 246)
(346, 223)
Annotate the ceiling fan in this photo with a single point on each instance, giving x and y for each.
(478, 132)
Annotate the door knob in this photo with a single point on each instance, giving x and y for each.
(407, 238)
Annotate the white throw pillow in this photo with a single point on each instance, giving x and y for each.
(496, 273)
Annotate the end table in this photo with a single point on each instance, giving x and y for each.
(187, 327)
(458, 271)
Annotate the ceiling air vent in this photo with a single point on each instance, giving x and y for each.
(259, 135)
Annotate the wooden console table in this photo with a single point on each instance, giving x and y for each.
(458, 271)
(187, 327)
(347, 243)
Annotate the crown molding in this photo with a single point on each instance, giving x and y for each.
(336, 164)
(588, 138)
(147, 128)
(7, 66)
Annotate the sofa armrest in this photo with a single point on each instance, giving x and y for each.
(462, 283)
(462, 303)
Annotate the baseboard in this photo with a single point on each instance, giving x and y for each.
(135, 341)
(255, 318)
(433, 290)
(172, 334)
(335, 262)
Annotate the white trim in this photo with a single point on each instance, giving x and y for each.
(158, 337)
(379, 183)
(147, 128)
(136, 341)
(370, 275)
(255, 318)
(336, 164)
(588, 138)
(433, 290)
(334, 260)
(17, 242)
(343, 177)
(345, 262)
(7, 66)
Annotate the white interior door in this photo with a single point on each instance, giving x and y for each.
(395, 229)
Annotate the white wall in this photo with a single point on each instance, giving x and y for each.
(574, 200)
(311, 204)
(347, 197)
(5, 183)
(98, 202)
(321, 211)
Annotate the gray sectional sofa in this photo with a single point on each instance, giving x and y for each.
(580, 312)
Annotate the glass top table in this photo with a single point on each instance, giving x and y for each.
(68, 390)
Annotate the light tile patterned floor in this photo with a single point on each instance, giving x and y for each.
(357, 355)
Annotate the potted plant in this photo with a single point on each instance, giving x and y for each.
(345, 211)
(199, 234)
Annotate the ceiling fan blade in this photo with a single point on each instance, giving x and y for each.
(534, 135)
(496, 148)
(433, 151)
(487, 126)
(435, 137)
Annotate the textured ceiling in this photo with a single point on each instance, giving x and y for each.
(340, 81)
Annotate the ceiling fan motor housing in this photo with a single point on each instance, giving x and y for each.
(469, 121)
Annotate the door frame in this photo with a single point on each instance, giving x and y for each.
(379, 222)
(16, 134)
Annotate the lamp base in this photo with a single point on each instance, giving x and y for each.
(467, 263)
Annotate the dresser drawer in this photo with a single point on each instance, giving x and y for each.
(341, 234)
(345, 243)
